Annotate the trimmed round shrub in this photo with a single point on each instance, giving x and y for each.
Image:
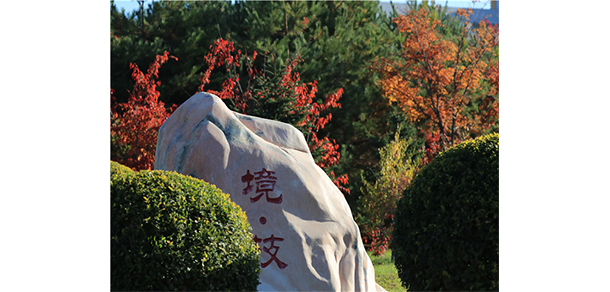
(174, 232)
(446, 223)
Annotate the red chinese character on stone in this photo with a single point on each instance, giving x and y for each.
(265, 183)
(247, 178)
(273, 253)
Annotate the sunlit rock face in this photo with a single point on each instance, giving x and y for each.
(301, 221)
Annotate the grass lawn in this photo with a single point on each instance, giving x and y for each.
(386, 274)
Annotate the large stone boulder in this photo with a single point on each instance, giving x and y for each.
(301, 221)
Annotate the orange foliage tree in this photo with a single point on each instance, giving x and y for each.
(281, 97)
(446, 83)
(135, 124)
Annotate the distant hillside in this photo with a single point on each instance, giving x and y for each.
(492, 15)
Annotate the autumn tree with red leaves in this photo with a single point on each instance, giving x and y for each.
(278, 96)
(448, 86)
(135, 124)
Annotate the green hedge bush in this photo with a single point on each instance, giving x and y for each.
(446, 224)
(174, 232)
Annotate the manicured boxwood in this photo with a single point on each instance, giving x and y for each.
(446, 224)
(173, 232)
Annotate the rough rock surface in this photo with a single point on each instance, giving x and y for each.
(303, 224)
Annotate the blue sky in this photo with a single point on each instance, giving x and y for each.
(133, 5)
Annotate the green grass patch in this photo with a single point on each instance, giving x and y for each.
(386, 274)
